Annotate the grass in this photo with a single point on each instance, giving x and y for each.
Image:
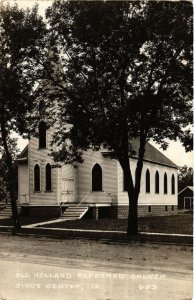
(182, 224)
(24, 220)
(179, 223)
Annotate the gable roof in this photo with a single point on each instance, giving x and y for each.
(23, 156)
(187, 187)
(24, 153)
(151, 154)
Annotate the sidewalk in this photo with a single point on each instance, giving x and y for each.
(116, 236)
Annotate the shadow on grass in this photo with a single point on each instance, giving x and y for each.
(177, 224)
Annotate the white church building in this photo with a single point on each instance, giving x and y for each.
(94, 188)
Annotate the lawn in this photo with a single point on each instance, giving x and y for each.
(179, 223)
(24, 220)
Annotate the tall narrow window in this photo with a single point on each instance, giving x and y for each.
(165, 184)
(97, 178)
(147, 181)
(157, 183)
(173, 184)
(42, 135)
(36, 178)
(48, 177)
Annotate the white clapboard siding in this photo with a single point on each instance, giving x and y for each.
(109, 178)
(41, 157)
(23, 183)
(150, 198)
(72, 184)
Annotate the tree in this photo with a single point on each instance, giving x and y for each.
(20, 32)
(185, 177)
(4, 192)
(118, 71)
(3, 186)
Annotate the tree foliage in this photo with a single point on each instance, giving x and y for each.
(135, 64)
(185, 177)
(118, 71)
(20, 32)
(4, 191)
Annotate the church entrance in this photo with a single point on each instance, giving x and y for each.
(67, 184)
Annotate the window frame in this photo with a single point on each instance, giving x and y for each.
(165, 183)
(42, 133)
(173, 184)
(147, 181)
(92, 179)
(34, 181)
(157, 183)
(46, 189)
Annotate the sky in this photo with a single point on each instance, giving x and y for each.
(43, 4)
(175, 151)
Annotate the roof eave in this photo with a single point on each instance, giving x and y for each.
(21, 160)
(106, 153)
(187, 187)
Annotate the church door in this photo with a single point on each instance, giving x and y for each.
(67, 184)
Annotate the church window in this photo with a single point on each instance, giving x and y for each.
(173, 184)
(37, 178)
(97, 178)
(147, 181)
(165, 184)
(157, 183)
(48, 177)
(42, 135)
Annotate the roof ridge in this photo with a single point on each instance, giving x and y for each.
(152, 154)
(155, 149)
(186, 187)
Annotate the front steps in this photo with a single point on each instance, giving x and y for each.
(74, 212)
(6, 211)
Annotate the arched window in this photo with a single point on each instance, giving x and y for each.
(37, 178)
(157, 182)
(48, 177)
(147, 181)
(173, 184)
(97, 178)
(42, 135)
(165, 184)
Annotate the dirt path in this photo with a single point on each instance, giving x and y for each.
(179, 257)
(147, 271)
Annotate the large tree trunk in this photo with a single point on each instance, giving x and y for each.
(10, 178)
(134, 189)
(16, 221)
(132, 226)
